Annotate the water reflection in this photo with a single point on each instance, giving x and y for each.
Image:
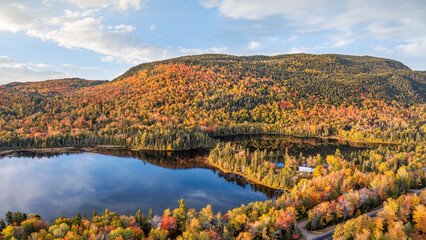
(189, 160)
(67, 184)
(59, 184)
(172, 160)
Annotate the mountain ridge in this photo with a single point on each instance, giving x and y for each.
(180, 103)
(367, 73)
(218, 57)
(407, 86)
(50, 87)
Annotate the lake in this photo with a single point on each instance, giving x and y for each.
(125, 181)
(67, 184)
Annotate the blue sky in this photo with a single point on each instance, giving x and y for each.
(100, 39)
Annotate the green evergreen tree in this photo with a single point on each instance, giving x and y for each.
(2, 224)
(150, 214)
(94, 214)
(180, 215)
(77, 219)
(9, 218)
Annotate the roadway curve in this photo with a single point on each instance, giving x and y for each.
(329, 235)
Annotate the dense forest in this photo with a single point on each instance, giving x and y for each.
(402, 218)
(181, 103)
(194, 102)
(48, 88)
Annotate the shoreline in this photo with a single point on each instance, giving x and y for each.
(14, 152)
(359, 141)
(247, 178)
(10, 152)
(4, 151)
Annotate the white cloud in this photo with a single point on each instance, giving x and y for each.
(301, 50)
(192, 51)
(125, 28)
(152, 27)
(85, 68)
(413, 49)
(41, 65)
(126, 4)
(5, 60)
(92, 3)
(403, 22)
(314, 15)
(85, 28)
(270, 39)
(341, 40)
(311, 15)
(254, 9)
(253, 45)
(292, 38)
(380, 49)
(108, 59)
(89, 33)
(13, 17)
(13, 70)
(121, 5)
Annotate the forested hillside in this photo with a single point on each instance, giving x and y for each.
(180, 103)
(336, 78)
(48, 88)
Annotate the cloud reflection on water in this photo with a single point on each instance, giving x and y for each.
(68, 184)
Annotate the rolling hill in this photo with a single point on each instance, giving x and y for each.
(48, 88)
(331, 76)
(180, 103)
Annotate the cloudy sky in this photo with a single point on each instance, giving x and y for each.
(100, 39)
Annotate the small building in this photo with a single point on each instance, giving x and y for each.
(306, 169)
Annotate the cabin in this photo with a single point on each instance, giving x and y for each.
(306, 169)
(280, 165)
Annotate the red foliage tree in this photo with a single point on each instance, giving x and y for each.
(168, 223)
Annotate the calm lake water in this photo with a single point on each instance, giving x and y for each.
(125, 181)
(67, 184)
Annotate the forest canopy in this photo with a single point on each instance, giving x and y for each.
(181, 103)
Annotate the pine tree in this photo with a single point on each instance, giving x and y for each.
(139, 217)
(2, 224)
(150, 214)
(9, 218)
(94, 214)
(77, 219)
(180, 215)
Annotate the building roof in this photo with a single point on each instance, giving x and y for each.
(306, 169)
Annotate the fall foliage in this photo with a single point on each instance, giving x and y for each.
(195, 102)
